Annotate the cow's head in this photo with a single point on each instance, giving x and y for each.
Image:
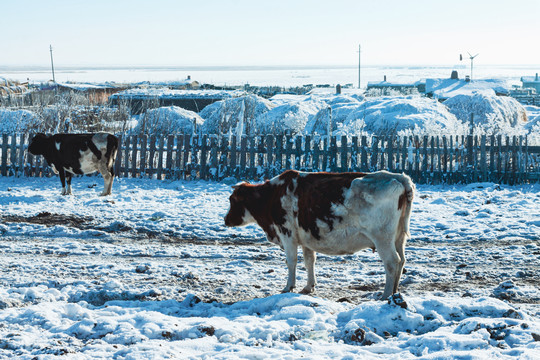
(242, 198)
(38, 144)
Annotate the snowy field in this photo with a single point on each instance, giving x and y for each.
(151, 273)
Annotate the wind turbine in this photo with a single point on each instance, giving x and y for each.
(472, 57)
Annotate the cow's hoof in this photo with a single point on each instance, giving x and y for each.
(307, 290)
(287, 290)
(397, 300)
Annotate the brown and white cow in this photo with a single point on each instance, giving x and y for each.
(69, 154)
(330, 213)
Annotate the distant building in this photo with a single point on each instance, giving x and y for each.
(531, 82)
(443, 89)
(140, 100)
(96, 93)
(405, 88)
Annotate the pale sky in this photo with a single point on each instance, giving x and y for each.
(272, 32)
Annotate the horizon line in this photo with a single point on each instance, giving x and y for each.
(14, 67)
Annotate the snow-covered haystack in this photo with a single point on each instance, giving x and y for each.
(168, 120)
(397, 115)
(532, 127)
(492, 114)
(234, 115)
(13, 121)
(288, 118)
(335, 114)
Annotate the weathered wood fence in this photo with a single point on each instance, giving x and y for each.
(433, 160)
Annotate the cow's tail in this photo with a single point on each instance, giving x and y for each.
(405, 205)
(112, 148)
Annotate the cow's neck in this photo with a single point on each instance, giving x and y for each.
(266, 211)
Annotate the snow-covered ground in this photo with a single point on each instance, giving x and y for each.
(151, 272)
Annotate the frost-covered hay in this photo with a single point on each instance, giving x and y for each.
(400, 115)
(236, 115)
(168, 120)
(290, 118)
(492, 114)
(13, 121)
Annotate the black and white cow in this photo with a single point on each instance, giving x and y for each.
(330, 213)
(69, 154)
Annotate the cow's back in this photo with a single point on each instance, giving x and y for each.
(344, 213)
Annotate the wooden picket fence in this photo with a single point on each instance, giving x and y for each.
(428, 160)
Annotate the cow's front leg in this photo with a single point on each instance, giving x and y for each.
(291, 253)
(68, 180)
(62, 175)
(309, 261)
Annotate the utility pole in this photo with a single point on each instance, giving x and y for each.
(359, 48)
(52, 64)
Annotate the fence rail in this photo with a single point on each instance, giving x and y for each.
(433, 159)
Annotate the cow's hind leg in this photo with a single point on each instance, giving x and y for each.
(291, 253)
(391, 260)
(108, 178)
(400, 248)
(309, 261)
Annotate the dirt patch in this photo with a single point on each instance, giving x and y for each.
(48, 219)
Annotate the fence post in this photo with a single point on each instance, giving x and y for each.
(344, 154)
(151, 154)
(243, 152)
(160, 158)
(13, 157)
(298, 153)
(134, 151)
(404, 154)
(22, 144)
(144, 145)
(186, 155)
(316, 154)
(117, 162)
(212, 172)
(126, 156)
(178, 159)
(4, 154)
(390, 153)
(269, 156)
(223, 167)
(202, 159)
(169, 161)
(444, 158)
(233, 171)
(514, 161)
(308, 154)
(374, 153)
(491, 173)
(363, 156)
(333, 154)
(288, 152)
(324, 166)
(279, 153)
(483, 158)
